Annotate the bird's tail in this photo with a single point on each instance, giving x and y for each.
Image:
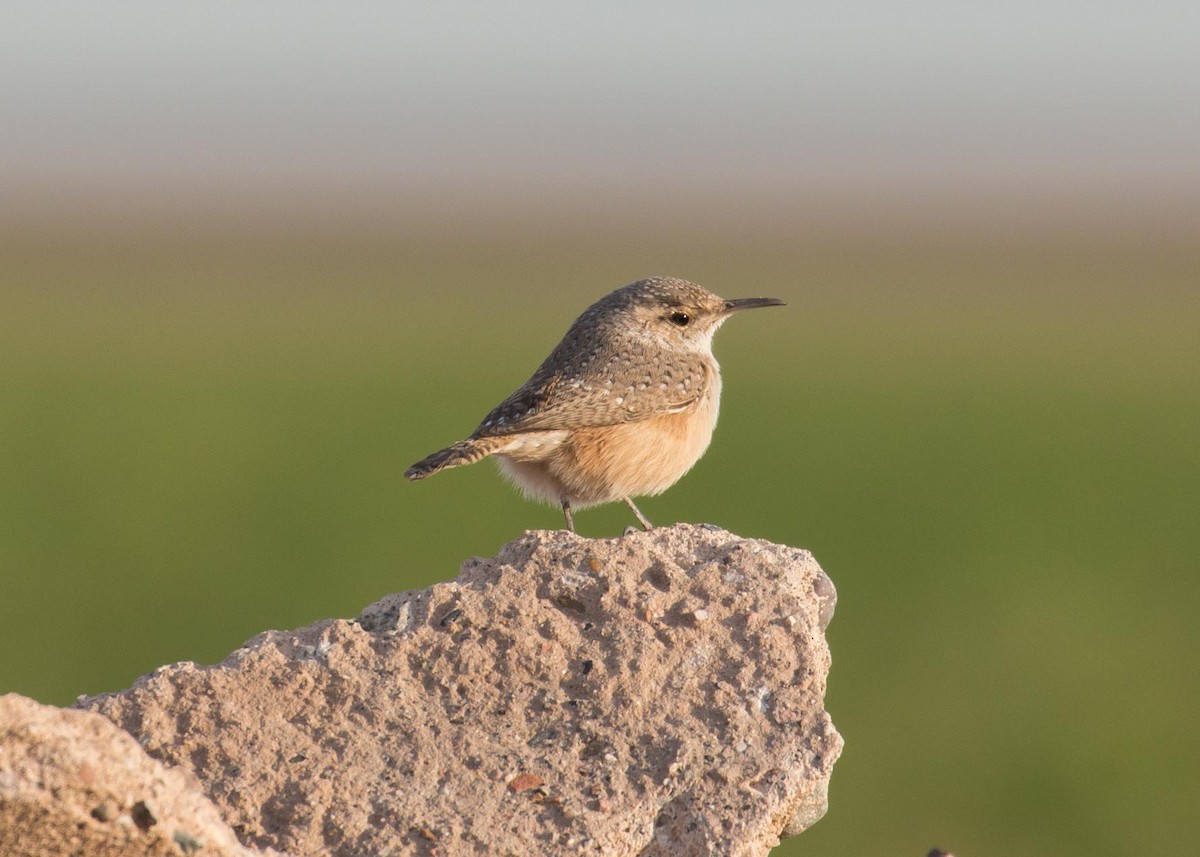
(464, 452)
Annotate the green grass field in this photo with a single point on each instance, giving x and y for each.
(990, 446)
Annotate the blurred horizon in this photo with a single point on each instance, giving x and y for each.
(932, 110)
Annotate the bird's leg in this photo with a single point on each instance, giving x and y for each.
(566, 507)
(641, 518)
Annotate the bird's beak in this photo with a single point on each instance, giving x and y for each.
(750, 303)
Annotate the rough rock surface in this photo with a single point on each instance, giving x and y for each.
(660, 693)
(73, 783)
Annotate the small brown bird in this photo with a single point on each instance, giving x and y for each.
(622, 408)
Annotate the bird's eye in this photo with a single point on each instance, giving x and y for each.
(679, 319)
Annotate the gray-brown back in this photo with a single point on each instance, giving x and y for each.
(608, 369)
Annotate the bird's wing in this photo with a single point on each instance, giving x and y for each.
(599, 390)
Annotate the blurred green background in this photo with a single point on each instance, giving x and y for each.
(979, 410)
(991, 449)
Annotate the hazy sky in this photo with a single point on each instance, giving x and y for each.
(699, 88)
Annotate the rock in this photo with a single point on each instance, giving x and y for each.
(659, 693)
(73, 783)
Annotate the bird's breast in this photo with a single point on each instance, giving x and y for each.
(603, 463)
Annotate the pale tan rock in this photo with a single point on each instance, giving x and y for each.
(660, 693)
(72, 783)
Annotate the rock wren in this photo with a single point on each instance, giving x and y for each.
(622, 407)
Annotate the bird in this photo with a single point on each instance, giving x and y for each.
(623, 407)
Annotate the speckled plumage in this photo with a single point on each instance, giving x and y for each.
(624, 405)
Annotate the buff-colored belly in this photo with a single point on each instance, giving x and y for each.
(606, 463)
